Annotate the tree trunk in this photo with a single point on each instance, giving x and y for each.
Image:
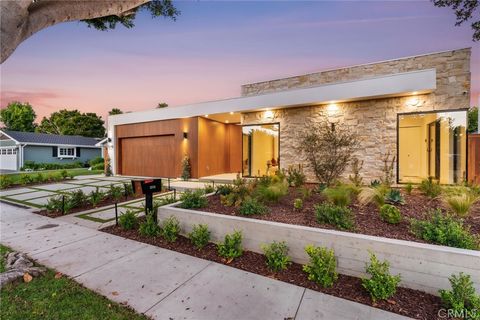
(21, 18)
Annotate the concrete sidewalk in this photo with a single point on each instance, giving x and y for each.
(165, 284)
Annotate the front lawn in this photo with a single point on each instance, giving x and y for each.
(50, 297)
(39, 177)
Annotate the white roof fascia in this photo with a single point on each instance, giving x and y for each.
(421, 81)
(3, 132)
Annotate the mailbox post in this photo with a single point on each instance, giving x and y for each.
(149, 187)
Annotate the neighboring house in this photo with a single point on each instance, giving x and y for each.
(18, 147)
(414, 108)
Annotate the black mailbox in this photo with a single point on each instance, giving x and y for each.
(149, 186)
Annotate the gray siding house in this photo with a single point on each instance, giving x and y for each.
(18, 147)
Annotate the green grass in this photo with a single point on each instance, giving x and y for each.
(74, 172)
(48, 298)
(3, 251)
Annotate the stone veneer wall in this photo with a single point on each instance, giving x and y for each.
(375, 121)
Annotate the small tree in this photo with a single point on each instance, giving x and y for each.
(473, 120)
(162, 105)
(388, 165)
(186, 168)
(328, 148)
(18, 116)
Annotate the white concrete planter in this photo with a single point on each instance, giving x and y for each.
(423, 267)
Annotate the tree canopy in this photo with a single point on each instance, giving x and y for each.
(464, 11)
(18, 116)
(114, 111)
(162, 105)
(20, 19)
(73, 122)
(473, 120)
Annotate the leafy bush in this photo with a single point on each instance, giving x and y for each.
(298, 204)
(462, 299)
(328, 149)
(98, 166)
(26, 179)
(200, 235)
(276, 256)
(340, 217)
(193, 199)
(356, 178)
(231, 247)
(374, 195)
(209, 188)
(445, 230)
(381, 285)
(128, 220)
(95, 161)
(339, 196)
(54, 177)
(77, 198)
(305, 192)
(393, 196)
(251, 206)
(295, 176)
(272, 192)
(170, 229)
(96, 196)
(54, 204)
(186, 168)
(240, 190)
(223, 189)
(149, 227)
(51, 166)
(430, 188)
(128, 189)
(5, 181)
(461, 204)
(390, 214)
(322, 265)
(64, 174)
(164, 201)
(40, 178)
(409, 188)
(115, 192)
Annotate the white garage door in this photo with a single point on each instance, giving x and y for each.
(8, 158)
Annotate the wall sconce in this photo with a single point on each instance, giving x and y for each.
(185, 135)
(332, 109)
(414, 102)
(268, 114)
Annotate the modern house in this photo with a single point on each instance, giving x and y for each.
(413, 108)
(18, 147)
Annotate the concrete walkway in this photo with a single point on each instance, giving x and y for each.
(165, 284)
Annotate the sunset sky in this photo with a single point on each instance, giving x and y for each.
(214, 47)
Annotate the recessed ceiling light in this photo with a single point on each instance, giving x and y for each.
(206, 116)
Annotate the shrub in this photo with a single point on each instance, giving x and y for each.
(95, 161)
(77, 198)
(209, 188)
(393, 196)
(375, 183)
(388, 165)
(54, 204)
(200, 235)
(276, 256)
(96, 196)
(322, 265)
(170, 229)
(231, 247)
(224, 189)
(340, 217)
(461, 204)
(98, 166)
(295, 176)
(409, 188)
(390, 214)
(328, 148)
(149, 227)
(381, 285)
(193, 199)
(298, 204)
(115, 192)
(164, 201)
(54, 177)
(305, 192)
(40, 178)
(186, 168)
(272, 192)
(462, 298)
(445, 230)
(64, 174)
(5, 181)
(128, 189)
(251, 206)
(51, 166)
(430, 188)
(356, 178)
(339, 196)
(374, 195)
(128, 220)
(26, 179)
(240, 190)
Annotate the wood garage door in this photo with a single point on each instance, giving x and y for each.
(148, 156)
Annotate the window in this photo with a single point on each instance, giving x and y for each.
(433, 145)
(66, 152)
(260, 149)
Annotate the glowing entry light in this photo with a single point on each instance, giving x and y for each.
(268, 114)
(332, 108)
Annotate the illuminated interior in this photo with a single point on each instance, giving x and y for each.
(432, 145)
(260, 154)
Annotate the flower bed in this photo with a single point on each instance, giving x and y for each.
(408, 302)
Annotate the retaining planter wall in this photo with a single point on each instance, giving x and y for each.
(423, 266)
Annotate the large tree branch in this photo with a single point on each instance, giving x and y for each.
(21, 18)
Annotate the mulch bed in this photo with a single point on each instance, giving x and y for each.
(104, 203)
(407, 302)
(367, 218)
